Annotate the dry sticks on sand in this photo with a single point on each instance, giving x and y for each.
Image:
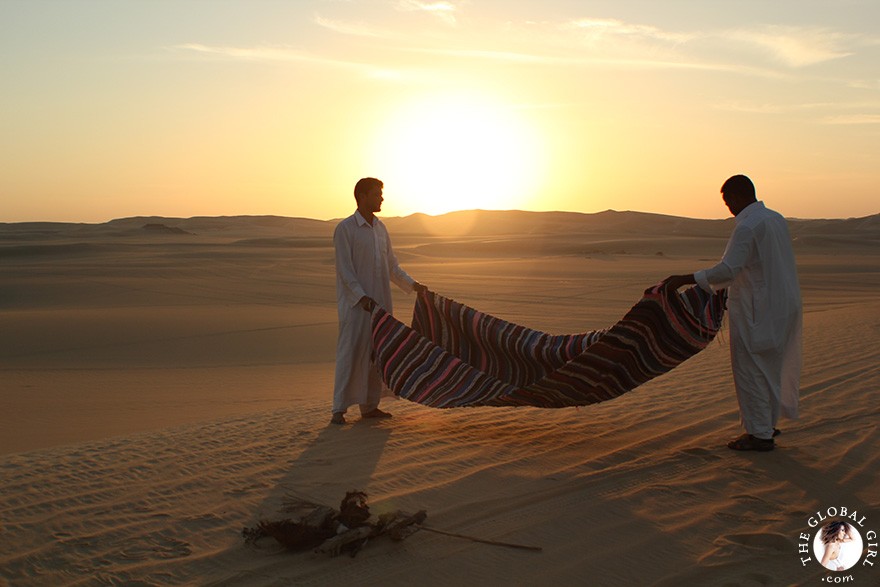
(348, 530)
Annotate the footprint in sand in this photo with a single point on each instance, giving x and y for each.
(764, 542)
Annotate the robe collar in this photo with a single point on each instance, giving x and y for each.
(748, 211)
(361, 221)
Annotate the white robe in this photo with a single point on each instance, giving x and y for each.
(365, 265)
(764, 306)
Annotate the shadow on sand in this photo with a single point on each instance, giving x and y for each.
(337, 460)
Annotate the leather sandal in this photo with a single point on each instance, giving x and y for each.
(376, 413)
(749, 442)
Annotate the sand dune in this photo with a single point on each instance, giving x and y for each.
(159, 391)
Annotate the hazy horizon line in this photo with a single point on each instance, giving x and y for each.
(384, 217)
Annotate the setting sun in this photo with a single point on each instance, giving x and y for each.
(459, 152)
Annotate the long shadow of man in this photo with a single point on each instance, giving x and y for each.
(336, 461)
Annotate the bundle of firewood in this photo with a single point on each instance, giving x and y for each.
(333, 532)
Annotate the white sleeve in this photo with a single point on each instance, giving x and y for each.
(714, 278)
(736, 255)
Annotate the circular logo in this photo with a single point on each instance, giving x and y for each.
(837, 545)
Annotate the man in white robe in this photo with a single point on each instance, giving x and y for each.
(365, 266)
(764, 308)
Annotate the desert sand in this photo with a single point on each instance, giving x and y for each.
(165, 383)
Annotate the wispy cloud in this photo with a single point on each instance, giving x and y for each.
(584, 42)
(497, 56)
(605, 29)
(795, 46)
(788, 45)
(765, 108)
(599, 42)
(777, 51)
(831, 113)
(865, 84)
(281, 54)
(779, 108)
(275, 53)
(850, 119)
(445, 11)
(610, 61)
(347, 28)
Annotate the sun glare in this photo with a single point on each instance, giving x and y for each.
(458, 153)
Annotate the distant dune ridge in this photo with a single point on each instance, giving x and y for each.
(158, 227)
(469, 222)
(162, 388)
(563, 233)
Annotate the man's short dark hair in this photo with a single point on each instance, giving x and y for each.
(739, 185)
(365, 185)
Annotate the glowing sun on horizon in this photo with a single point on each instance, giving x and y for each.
(459, 153)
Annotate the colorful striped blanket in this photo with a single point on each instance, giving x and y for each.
(456, 356)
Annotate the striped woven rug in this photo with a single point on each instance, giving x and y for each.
(456, 356)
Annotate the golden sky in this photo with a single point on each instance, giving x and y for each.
(205, 108)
